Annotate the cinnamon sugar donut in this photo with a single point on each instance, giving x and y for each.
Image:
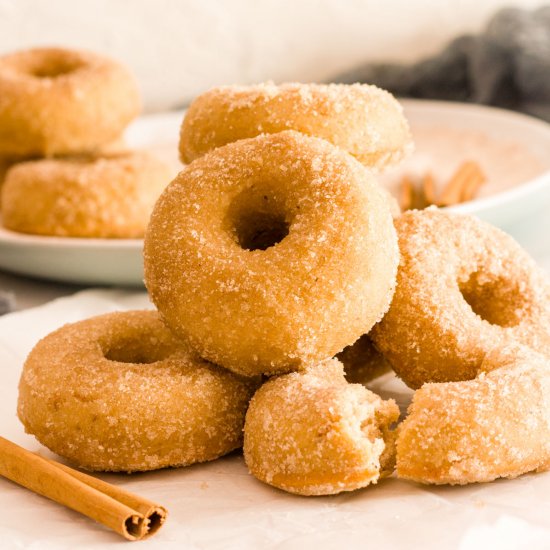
(117, 392)
(312, 433)
(363, 120)
(88, 196)
(463, 286)
(497, 425)
(59, 101)
(271, 253)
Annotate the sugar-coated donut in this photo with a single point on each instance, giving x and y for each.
(117, 392)
(462, 287)
(363, 120)
(362, 361)
(497, 425)
(109, 196)
(59, 101)
(271, 253)
(312, 433)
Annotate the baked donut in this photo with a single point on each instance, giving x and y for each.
(363, 120)
(59, 101)
(497, 425)
(117, 392)
(271, 253)
(312, 433)
(362, 361)
(109, 196)
(463, 286)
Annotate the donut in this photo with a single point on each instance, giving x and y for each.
(59, 101)
(109, 196)
(496, 425)
(312, 433)
(364, 120)
(271, 253)
(463, 286)
(362, 361)
(117, 392)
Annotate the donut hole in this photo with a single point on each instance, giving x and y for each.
(54, 67)
(137, 351)
(257, 220)
(498, 301)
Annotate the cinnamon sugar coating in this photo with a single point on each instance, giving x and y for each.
(312, 433)
(109, 196)
(463, 287)
(363, 120)
(117, 392)
(497, 425)
(57, 101)
(271, 253)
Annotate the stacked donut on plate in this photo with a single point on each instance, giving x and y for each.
(271, 253)
(64, 168)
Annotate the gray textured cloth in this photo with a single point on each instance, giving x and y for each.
(507, 65)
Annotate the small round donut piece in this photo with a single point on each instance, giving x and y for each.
(463, 286)
(363, 120)
(117, 392)
(497, 425)
(271, 253)
(312, 433)
(60, 101)
(362, 361)
(110, 196)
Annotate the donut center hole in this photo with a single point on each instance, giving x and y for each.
(499, 301)
(137, 352)
(53, 68)
(257, 220)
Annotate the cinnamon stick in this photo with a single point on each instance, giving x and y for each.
(406, 194)
(125, 513)
(452, 194)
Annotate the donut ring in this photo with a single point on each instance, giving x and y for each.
(58, 101)
(253, 253)
(312, 433)
(109, 196)
(118, 393)
(364, 120)
(463, 286)
(497, 425)
(362, 361)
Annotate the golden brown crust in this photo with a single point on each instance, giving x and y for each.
(463, 287)
(300, 301)
(118, 393)
(312, 433)
(59, 101)
(361, 119)
(108, 196)
(497, 425)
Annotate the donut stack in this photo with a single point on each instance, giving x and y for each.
(271, 253)
(65, 171)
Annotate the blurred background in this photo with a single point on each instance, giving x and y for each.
(178, 48)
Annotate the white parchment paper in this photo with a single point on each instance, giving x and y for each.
(220, 506)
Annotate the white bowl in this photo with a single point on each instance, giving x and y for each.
(527, 140)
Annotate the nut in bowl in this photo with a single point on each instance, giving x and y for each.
(501, 155)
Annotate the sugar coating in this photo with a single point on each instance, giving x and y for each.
(362, 361)
(108, 196)
(59, 101)
(312, 433)
(117, 392)
(298, 302)
(463, 287)
(497, 425)
(363, 120)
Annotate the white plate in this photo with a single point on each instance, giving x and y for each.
(511, 148)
